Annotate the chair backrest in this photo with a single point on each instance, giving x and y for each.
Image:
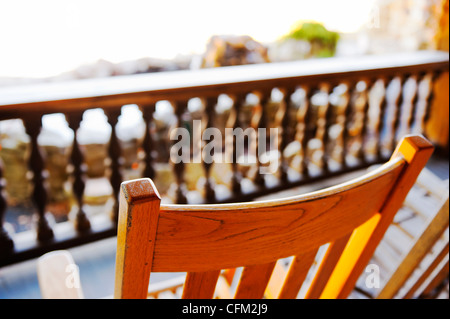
(204, 239)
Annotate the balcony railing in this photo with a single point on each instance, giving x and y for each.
(333, 116)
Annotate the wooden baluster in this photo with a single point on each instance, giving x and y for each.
(390, 113)
(282, 123)
(416, 123)
(147, 114)
(208, 122)
(398, 113)
(351, 91)
(336, 122)
(380, 123)
(323, 124)
(254, 280)
(82, 223)
(6, 243)
(430, 98)
(234, 122)
(180, 197)
(407, 107)
(361, 154)
(414, 102)
(331, 119)
(259, 120)
(305, 129)
(36, 164)
(200, 285)
(114, 154)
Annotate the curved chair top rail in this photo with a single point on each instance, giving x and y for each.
(232, 235)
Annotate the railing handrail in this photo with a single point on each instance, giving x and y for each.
(152, 87)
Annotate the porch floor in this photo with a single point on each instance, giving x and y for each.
(97, 260)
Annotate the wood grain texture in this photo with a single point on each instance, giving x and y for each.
(138, 219)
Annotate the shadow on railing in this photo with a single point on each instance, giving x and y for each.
(332, 116)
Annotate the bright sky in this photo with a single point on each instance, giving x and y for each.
(47, 37)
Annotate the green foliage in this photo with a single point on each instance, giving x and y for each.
(314, 32)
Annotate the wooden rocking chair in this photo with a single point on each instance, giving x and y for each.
(203, 240)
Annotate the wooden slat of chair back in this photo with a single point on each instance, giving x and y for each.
(421, 247)
(203, 239)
